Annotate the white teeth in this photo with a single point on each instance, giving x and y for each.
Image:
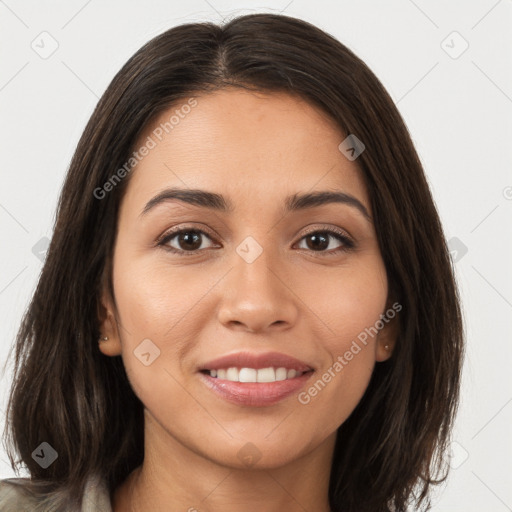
(232, 374)
(247, 375)
(291, 374)
(281, 373)
(252, 375)
(266, 375)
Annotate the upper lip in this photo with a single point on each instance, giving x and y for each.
(256, 361)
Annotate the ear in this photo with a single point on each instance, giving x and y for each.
(109, 342)
(387, 336)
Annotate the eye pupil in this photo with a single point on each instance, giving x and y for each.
(318, 241)
(190, 237)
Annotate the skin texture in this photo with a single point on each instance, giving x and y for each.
(255, 149)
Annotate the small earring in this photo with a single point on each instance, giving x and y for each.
(386, 347)
(105, 338)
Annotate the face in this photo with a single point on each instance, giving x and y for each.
(267, 285)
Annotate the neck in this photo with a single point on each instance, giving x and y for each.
(172, 477)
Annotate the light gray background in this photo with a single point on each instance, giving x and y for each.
(457, 110)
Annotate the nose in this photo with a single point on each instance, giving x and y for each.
(256, 298)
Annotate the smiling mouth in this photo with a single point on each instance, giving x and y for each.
(253, 375)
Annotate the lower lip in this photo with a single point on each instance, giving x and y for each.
(255, 394)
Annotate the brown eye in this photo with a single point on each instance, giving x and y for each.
(185, 240)
(188, 241)
(318, 241)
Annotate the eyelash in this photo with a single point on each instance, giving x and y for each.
(348, 244)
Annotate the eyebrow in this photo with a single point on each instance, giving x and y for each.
(217, 202)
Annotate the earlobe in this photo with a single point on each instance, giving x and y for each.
(109, 347)
(386, 340)
(109, 341)
(383, 350)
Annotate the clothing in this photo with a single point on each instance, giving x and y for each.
(15, 498)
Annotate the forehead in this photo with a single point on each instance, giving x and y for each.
(249, 146)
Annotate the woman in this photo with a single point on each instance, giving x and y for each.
(248, 302)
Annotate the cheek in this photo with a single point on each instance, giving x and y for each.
(153, 298)
(350, 305)
(155, 307)
(154, 303)
(349, 301)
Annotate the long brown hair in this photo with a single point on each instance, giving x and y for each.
(65, 392)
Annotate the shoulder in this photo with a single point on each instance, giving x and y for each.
(15, 496)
